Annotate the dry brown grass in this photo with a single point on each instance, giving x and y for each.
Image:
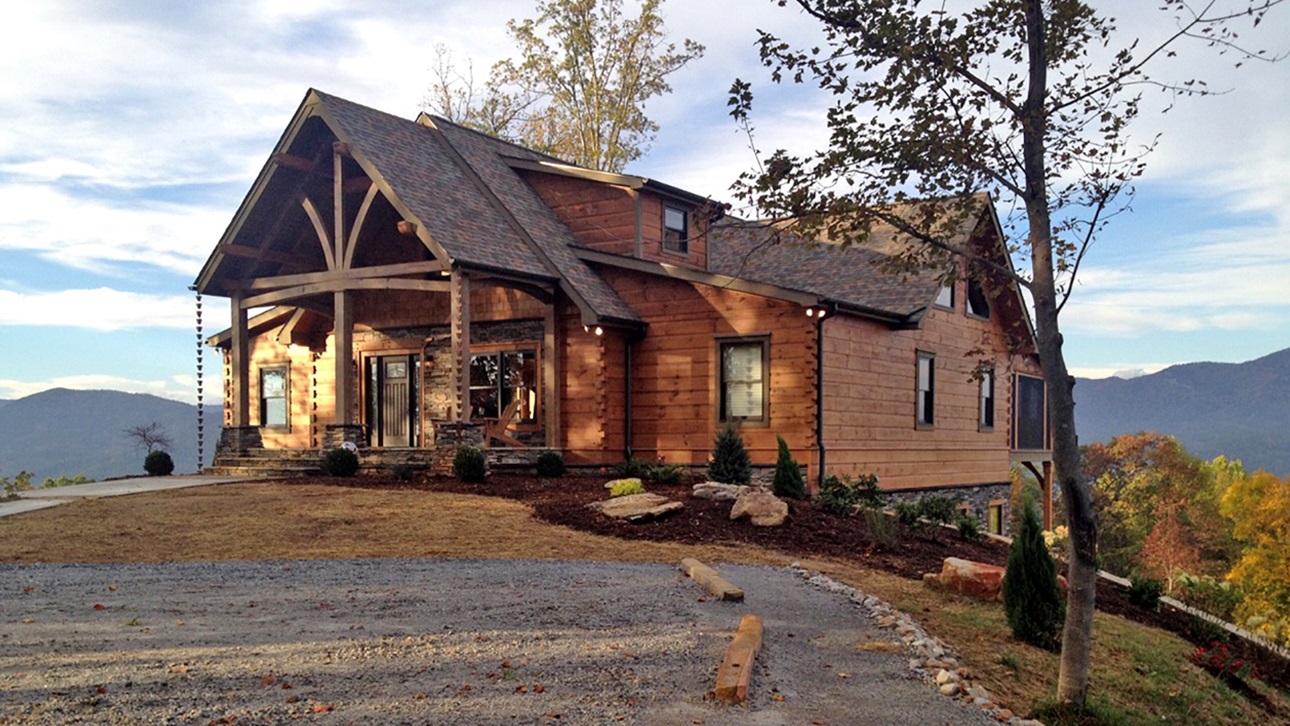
(1136, 669)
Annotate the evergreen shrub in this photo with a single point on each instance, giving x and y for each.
(730, 461)
(550, 465)
(789, 481)
(158, 463)
(340, 462)
(468, 464)
(1032, 598)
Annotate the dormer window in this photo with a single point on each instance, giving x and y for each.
(676, 230)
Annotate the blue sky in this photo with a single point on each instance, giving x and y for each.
(132, 129)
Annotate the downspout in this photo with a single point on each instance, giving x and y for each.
(627, 395)
(819, 390)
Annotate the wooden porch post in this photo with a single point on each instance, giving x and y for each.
(551, 376)
(241, 365)
(1047, 486)
(460, 313)
(344, 338)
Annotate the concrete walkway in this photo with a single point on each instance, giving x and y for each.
(44, 498)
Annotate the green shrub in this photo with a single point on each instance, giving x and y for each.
(664, 473)
(21, 482)
(1032, 598)
(842, 496)
(158, 463)
(937, 509)
(63, 481)
(624, 487)
(969, 527)
(1205, 593)
(550, 465)
(789, 481)
(908, 514)
(401, 472)
(468, 464)
(1145, 592)
(730, 462)
(340, 462)
(879, 526)
(633, 467)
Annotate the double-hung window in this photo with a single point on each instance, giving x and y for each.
(986, 421)
(676, 230)
(500, 378)
(744, 375)
(273, 397)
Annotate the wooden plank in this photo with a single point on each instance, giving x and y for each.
(323, 238)
(709, 579)
(734, 675)
(359, 273)
(299, 291)
(359, 219)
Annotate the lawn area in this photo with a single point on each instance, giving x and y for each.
(1140, 673)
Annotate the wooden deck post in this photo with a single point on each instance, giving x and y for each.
(344, 339)
(551, 375)
(241, 364)
(460, 314)
(1046, 484)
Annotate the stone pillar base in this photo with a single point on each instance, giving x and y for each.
(239, 439)
(337, 434)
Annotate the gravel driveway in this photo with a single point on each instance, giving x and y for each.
(439, 642)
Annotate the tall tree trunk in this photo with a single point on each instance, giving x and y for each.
(1077, 633)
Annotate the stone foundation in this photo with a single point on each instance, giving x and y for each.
(977, 499)
(337, 434)
(239, 439)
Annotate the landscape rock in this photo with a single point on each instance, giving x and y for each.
(717, 491)
(637, 507)
(762, 508)
(976, 579)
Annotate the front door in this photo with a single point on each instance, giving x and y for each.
(392, 399)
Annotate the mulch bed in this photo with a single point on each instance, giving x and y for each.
(810, 532)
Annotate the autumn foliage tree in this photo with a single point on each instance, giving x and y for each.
(1259, 507)
(1029, 100)
(578, 88)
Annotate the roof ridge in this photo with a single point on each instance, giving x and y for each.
(495, 139)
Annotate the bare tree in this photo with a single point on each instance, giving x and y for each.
(149, 437)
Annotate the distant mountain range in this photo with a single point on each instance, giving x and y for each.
(60, 432)
(1240, 410)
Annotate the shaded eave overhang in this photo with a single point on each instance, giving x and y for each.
(993, 219)
(605, 177)
(312, 105)
(805, 299)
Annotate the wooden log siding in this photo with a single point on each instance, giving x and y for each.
(583, 398)
(675, 370)
(602, 216)
(869, 401)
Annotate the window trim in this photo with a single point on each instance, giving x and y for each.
(993, 506)
(990, 397)
(682, 247)
(927, 421)
(285, 367)
(499, 349)
(722, 341)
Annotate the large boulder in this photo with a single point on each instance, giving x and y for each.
(637, 507)
(718, 491)
(761, 507)
(976, 579)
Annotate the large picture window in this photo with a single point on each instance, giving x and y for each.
(273, 397)
(744, 378)
(1030, 411)
(501, 378)
(926, 404)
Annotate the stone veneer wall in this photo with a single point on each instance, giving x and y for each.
(978, 499)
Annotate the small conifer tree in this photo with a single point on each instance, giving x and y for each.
(789, 481)
(1032, 598)
(730, 462)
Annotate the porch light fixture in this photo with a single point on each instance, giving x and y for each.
(820, 312)
(597, 330)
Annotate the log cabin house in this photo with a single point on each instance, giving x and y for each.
(409, 286)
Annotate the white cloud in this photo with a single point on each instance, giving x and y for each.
(174, 388)
(104, 309)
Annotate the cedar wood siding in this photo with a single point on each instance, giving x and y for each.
(870, 387)
(674, 397)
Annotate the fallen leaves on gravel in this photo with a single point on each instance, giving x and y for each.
(323, 707)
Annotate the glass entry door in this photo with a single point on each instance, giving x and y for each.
(392, 387)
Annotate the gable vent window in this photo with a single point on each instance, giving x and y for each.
(978, 305)
(676, 230)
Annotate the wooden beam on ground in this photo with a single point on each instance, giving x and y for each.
(708, 578)
(735, 673)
